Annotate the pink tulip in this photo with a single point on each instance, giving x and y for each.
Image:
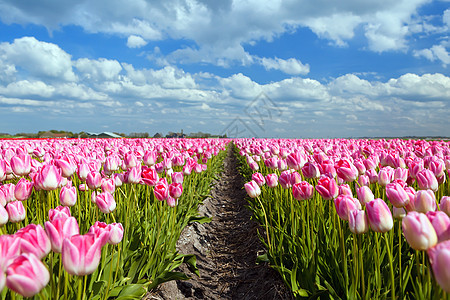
(2, 170)
(172, 202)
(111, 164)
(94, 180)
(161, 190)
(254, 166)
(108, 185)
(357, 221)
(59, 212)
(344, 204)
(34, 239)
(418, 231)
(7, 193)
(437, 167)
(81, 253)
(396, 195)
(363, 180)
(9, 250)
(282, 165)
(4, 217)
(149, 176)
(27, 275)
(302, 190)
(130, 160)
(440, 260)
(385, 176)
(48, 178)
(67, 167)
(133, 175)
(175, 190)
(425, 201)
(401, 174)
(364, 194)
(259, 178)
(23, 189)
(83, 171)
(379, 216)
(327, 168)
(310, 170)
(68, 196)
(16, 211)
(187, 169)
(346, 170)
(105, 202)
(327, 188)
(118, 179)
(115, 233)
(177, 177)
(296, 160)
(373, 176)
(252, 189)
(285, 179)
(344, 189)
(59, 229)
(271, 180)
(444, 205)
(271, 163)
(441, 224)
(150, 158)
(21, 164)
(426, 180)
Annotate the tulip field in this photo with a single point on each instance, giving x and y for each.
(339, 219)
(99, 218)
(353, 219)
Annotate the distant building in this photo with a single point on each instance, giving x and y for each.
(102, 135)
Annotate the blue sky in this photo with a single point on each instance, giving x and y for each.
(287, 69)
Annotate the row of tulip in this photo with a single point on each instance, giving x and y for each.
(360, 219)
(98, 218)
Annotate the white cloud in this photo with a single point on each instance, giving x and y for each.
(436, 52)
(212, 37)
(38, 58)
(289, 66)
(98, 69)
(135, 41)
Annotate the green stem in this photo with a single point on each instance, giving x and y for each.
(80, 287)
(267, 225)
(391, 266)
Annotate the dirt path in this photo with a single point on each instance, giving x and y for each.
(226, 249)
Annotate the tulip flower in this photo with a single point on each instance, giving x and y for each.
(48, 178)
(426, 180)
(175, 190)
(9, 250)
(364, 194)
(441, 224)
(296, 160)
(108, 185)
(385, 176)
(161, 190)
(94, 180)
(259, 178)
(115, 233)
(373, 176)
(396, 195)
(363, 180)
(252, 189)
(23, 189)
(440, 260)
(418, 231)
(130, 160)
(105, 202)
(379, 216)
(177, 177)
(150, 158)
(444, 204)
(271, 180)
(357, 221)
(282, 165)
(67, 167)
(346, 170)
(172, 202)
(83, 171)
(310, 170)
(327, 188)
(398, 213)
(81, 253)
(302, 190)
(27, 275)
(34, 239)
(59, 229)
(68, 195)
(285, 179)
(149, 176)
(133, 175)
(327, 168)
(425, 201)
(59, 212)
(4, 217)
(271, 163)
(16, 211)
(344, 189)
(344, 204)
(111, 164)
(21, 164)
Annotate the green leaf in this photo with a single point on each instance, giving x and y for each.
(132, 291)
(262, 258)
(167, 276)
(199, 219)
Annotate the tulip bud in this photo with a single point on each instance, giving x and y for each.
(357, 221)
(418, 231)
(344, 204)
(396, 194)
(379, 216)
(16, 211)
(426, 180)
(302, 190)
(105, 202)
(175, 190)
(68, 196)
(93, 180)
(364, 194)
(271, 180)
(441, 224)
(425, 201)
(252, 189)
(258, 178)
(59, 229)
(440, 260)
(327, 187)
(23, 189)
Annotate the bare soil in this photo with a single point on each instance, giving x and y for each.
(226, 249)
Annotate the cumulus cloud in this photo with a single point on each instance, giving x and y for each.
(386, 24)
(135, 41)
(437, 52)
(289, 66)
(38, 58)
